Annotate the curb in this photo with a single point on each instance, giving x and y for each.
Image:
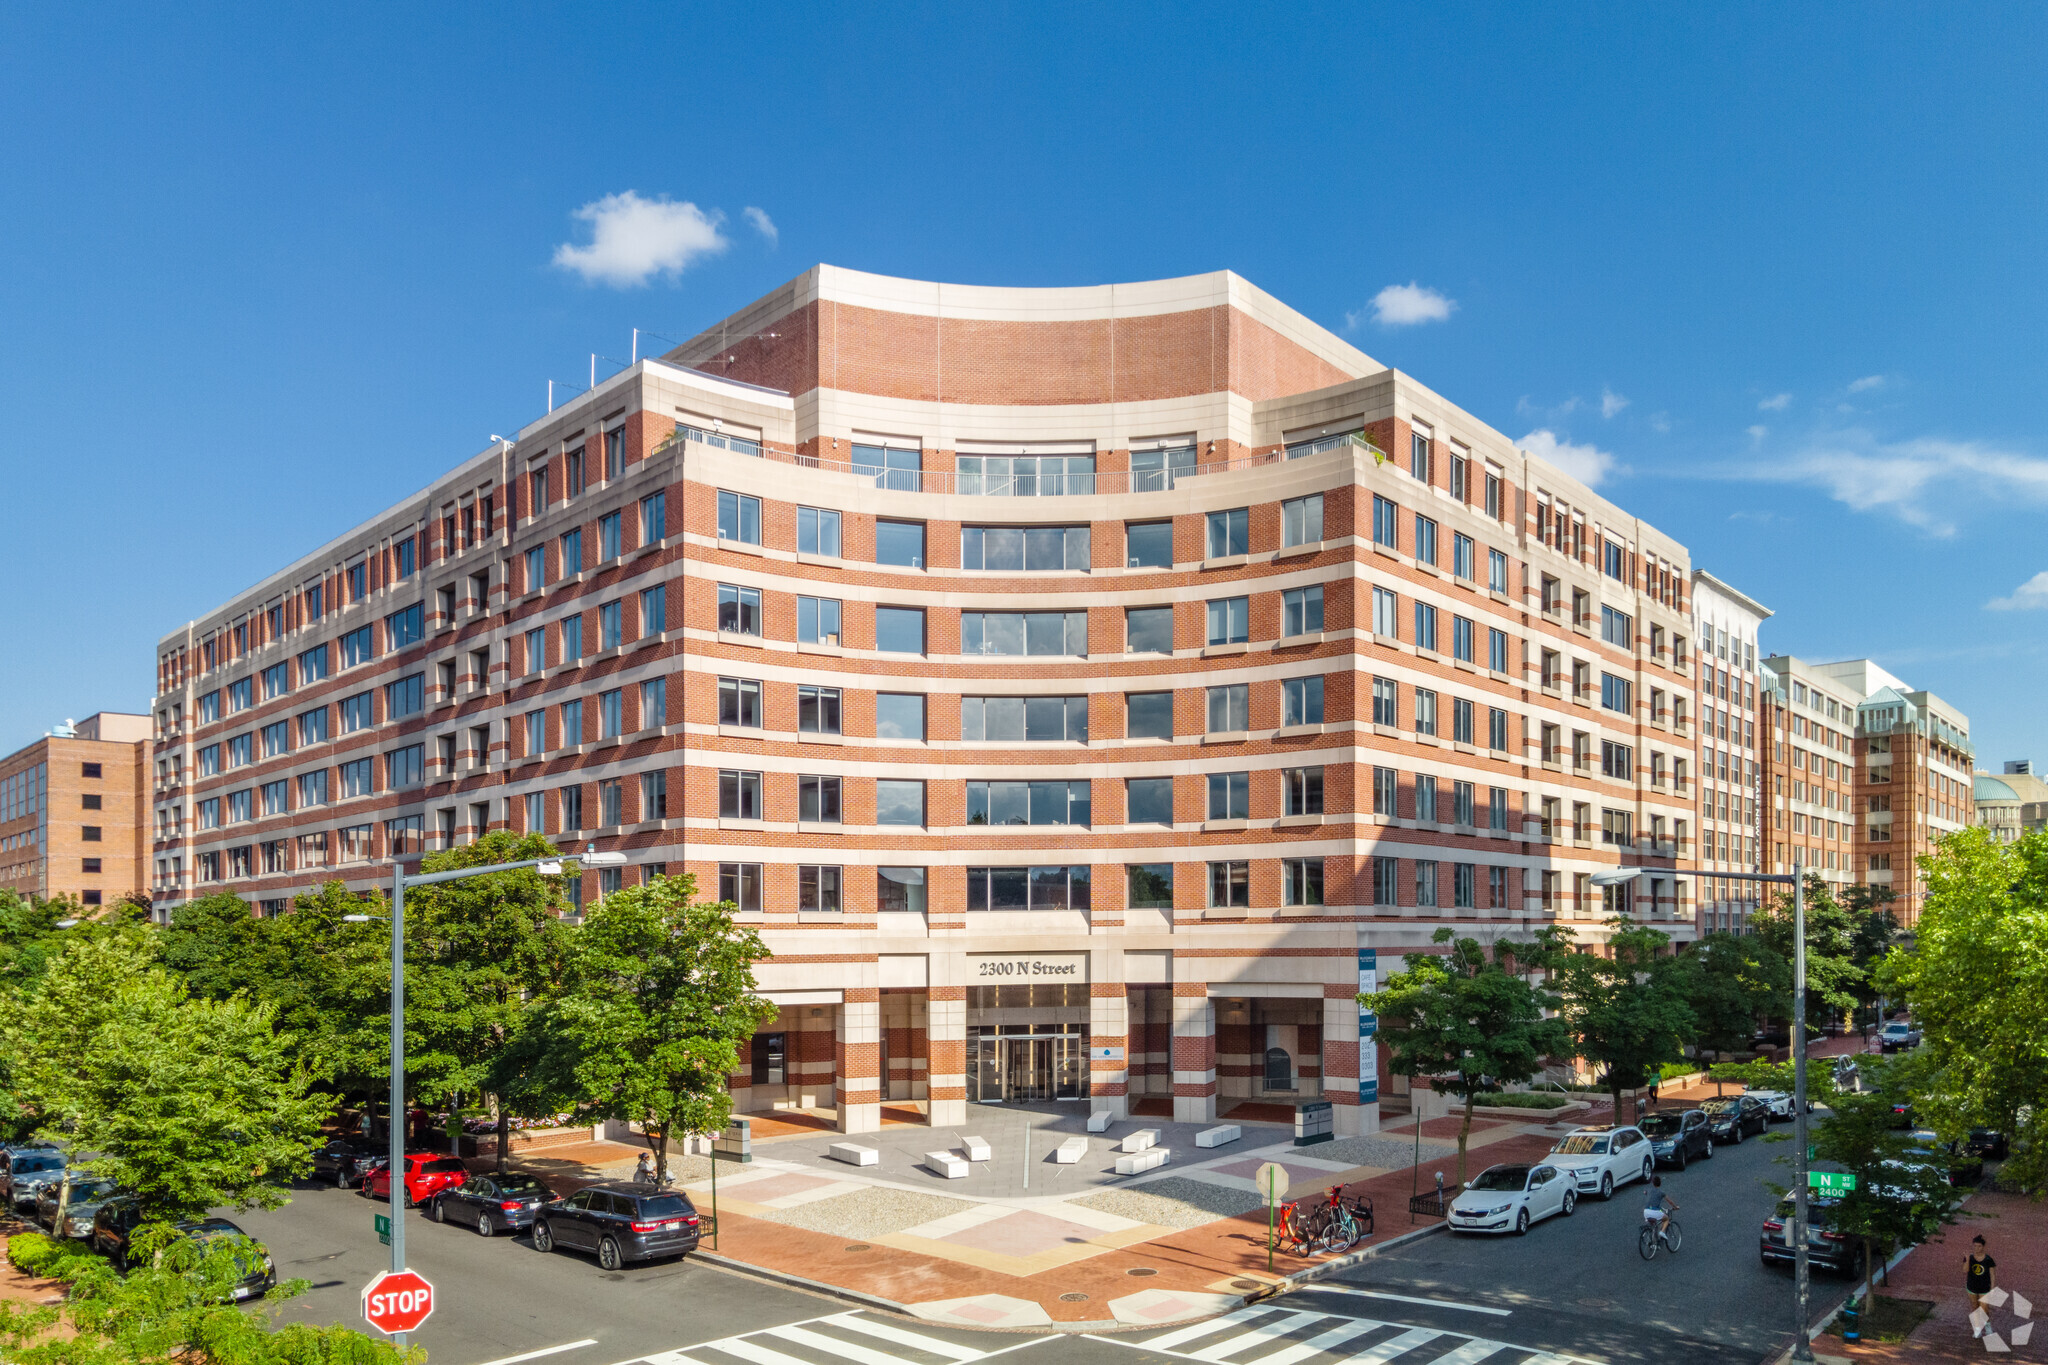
(1815, 1332)
(789, 1281)
(1325, 1269)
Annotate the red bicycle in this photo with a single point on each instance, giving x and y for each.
(1335, 1224)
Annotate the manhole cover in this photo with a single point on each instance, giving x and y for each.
(1141, 1270)
(1245, 1284)
(858, 1246)
(1073, 1296)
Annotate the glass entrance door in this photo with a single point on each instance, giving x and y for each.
(1027, 1068)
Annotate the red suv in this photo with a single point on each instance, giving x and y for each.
(426, 1175)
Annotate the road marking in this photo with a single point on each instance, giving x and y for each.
(1405, 1298)
(547, 1351)
(753, 1346)
(1248, 1328)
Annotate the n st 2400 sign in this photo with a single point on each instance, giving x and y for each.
(1030, 967)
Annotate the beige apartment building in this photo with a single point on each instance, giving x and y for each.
(2011, 803)
(72, 805)
(1733, 808)
(1084, 691)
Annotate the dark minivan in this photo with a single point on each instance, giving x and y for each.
(621, 1221)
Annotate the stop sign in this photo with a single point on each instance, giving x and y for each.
(398, 1301)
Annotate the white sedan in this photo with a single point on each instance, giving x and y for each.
(1603, 1157)
(1510, 1197)
(1778, 1103)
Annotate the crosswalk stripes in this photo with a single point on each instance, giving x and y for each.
(851, 1337)
(1269, 1335)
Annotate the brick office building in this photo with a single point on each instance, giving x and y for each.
(1082, 689)
(72, 805)
(1731, 803)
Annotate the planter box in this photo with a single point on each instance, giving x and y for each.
(1488, 1111)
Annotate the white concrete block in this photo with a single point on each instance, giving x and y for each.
(1217, 1136)
(976, 1148)
(853, 1154)
(1071, 1151)
(1140, 1140)
(1137, 1163)
(947, 1165)
(1099, 1121)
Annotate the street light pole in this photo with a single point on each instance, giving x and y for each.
(399, 881)
(1802, 1348)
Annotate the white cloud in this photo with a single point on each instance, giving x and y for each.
(1930, 482)
(759, 220)
(1402, 305)
(634, 239)
(1777, 402)
(1660, 421)
(2031, 595)
(1758, 432)
(1866, 383)
(1588, 464)
(1610, 402)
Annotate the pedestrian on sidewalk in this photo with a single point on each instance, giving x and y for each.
(1656, 1079)
(643, 1169)
(1980, 1273)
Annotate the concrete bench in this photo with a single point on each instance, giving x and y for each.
(1099, 1121)
(853, 1154)
(976, 1148)
(1217, 1136)
(1071, 1151)
(947, 1165)
(1140, 1140)
(1137, 1163)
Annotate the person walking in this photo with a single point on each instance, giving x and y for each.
(1980, 1275)
(1656, 1079)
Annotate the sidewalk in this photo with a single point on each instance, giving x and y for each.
(1084, 1247)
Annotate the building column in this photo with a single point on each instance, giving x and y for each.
(946, 1056)
(857, 1054)
(1109, 1079)
(1343, 1053)
(1194, 1053)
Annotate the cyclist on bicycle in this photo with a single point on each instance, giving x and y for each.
(1660, 1205)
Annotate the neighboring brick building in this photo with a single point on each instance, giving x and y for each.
(1733, 811)
(1083, 690)
(72, 808)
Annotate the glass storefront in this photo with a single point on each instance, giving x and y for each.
(1027, 1043)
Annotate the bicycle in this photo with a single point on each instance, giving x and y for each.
(1665, 1230)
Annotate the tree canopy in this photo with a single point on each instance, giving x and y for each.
(1626, 1009)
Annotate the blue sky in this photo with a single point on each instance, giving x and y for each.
(1775, 270)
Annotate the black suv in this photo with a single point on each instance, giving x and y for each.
(621, 1221)
(1730, 1116)
(1678, 1138)
(346, 1160)
(1831, 1250)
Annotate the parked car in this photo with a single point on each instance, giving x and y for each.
(1899, 1035)
(113, 1223)
(1678, 1137)
(346, 1160)
(1730, 1117)
(1902, 1114)
(27, 1169)
(426, 1175)
(621, 1221)
(491, 1203)
(1825, 1248)
(1603, 1157)
(87, 1193)
(1778, 1103)
(261, 1274)
(1987, 1144)
(1957, 1165)
(1509, 1197)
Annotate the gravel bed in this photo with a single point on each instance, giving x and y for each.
(1173, 1202)
(871, 1212)
(1393, 1153)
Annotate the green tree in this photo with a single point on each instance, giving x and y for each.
(1832, 976)
(480, 953)
(1976, 977)
(1468, 1020)
(657, 999)
(176, 1302)
(191, 1104)
(1731, 980)
(1626, 1009)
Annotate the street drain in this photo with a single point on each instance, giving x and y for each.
(1141, 1270)
(1073, 1296)
(1246, 1284)
(858, 1246)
